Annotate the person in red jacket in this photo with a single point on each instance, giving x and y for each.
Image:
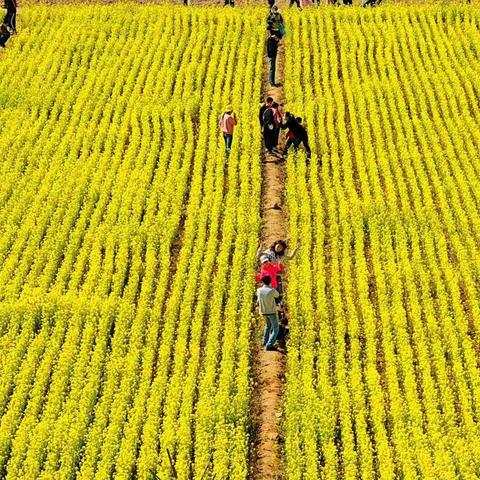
(267, 267)
(272, 270)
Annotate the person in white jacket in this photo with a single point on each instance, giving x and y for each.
(267, 307)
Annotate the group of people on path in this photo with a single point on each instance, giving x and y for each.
(272, 121)
(9, 25)
(270, 293)
(271, 118)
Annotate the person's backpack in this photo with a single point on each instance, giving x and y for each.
(268, 121)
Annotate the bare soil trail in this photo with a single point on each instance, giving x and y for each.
(269, 367)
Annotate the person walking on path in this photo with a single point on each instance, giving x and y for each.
(275, 23)
(272, 49)
(228, 121)
(268, 104)
(297, 134)
(11, 17)
(271, 127)
(267, 307)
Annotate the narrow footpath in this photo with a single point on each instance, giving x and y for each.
(269, 367)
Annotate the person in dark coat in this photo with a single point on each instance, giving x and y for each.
(297, 134)
(271, 127)
(272, 49)
(295, 2)
(267, 104)
(275, 23)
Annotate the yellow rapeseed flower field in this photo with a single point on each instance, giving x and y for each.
(129, 239)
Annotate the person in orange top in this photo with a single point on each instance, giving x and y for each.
(228, 121)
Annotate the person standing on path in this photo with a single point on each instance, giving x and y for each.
(267, 307)
(228, 121)
(268, 104)
(271, 127)
(296, 2)
(275, 23)
(272, 50)
(277, 119)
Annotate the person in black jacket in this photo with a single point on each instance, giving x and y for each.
(297, 134)
(271, 127)
(272, 49)
(268, 104)
(275, 23)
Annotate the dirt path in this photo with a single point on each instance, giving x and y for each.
(269, 367)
